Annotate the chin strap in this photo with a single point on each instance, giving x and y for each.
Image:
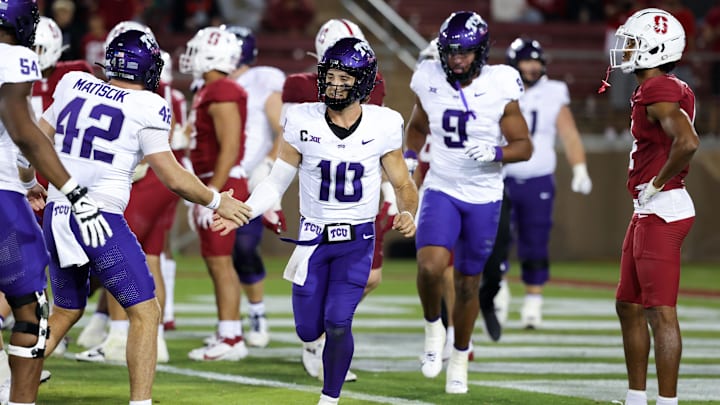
(605, 83)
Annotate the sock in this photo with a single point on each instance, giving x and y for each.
(229, 329)
(100, 317)
(167, 268)
(161, 331)
(635, 397)
(666, 401)
(326, 399)
(257, 308)
(119, 327)
(4, 366)
(434, 335)
(450, 335)
(144, 402)
(533, 297)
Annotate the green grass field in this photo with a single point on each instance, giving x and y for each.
(575, 358)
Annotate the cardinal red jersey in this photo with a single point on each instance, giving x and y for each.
(204, 153)
(43, 89)
(303, 88)
(651, 145)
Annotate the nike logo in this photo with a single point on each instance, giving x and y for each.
(366, 236)
(364, 142)
(479, 94)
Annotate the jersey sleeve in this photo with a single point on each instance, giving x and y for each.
(291, 130)
(662, 89)
(299, 88)
(162, 114)
(273, 79)
(420, 76)
(511, 82)
(395, 125)
(20, 65)
(562, 93)
(153, 140)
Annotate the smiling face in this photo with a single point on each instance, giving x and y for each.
(339, 84)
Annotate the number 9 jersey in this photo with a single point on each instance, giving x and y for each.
(457, 116)
(102, 132)
(340, 178)
(19, 65)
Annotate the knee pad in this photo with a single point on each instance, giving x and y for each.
(337, 331)
(247, 262)
(535, 271)
(40, 329)
(535, 264)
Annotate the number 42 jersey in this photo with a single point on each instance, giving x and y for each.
(102, 132)
(340, 178)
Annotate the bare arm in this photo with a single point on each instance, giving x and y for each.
(189, 187)
(677, 125)
(417, 129)
(36, 147)
(407, 197)
(515, 130)
(227, 123)
(273, 110)
(570, 136)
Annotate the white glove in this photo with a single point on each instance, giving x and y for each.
(482, 152)
(581, 182)
(647, 191)
(203, 216)
(260, 172)
(190, 215)
(140, 171)
(388, 193)
(93, 226)
(411, 161)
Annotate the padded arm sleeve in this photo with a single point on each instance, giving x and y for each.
(271, 190)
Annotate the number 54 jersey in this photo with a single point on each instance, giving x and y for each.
(102, 132)
(340, 178)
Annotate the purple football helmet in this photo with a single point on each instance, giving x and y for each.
(525, 49)
(248, 46)
(463, 32)
(134, 56)
(22, 17)
(355, 57)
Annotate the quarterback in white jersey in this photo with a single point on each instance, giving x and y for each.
(102, 130)
(530, 185)
(338, 147)
(471, 111)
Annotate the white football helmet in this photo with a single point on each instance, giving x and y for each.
(123, 26)
(211, 48)
(333, 30)
(166, 75)
(651, 37)
(48, 43)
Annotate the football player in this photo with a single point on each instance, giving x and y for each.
(467, 107)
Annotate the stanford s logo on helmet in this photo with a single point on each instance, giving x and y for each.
(355, 57)
(22, 17)
(134, 56)
(463, 32)
(649, 38)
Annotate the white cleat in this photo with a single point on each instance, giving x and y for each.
(312, 357)
(431, 361)
(211, 340)
(229, 349)
(326, 400)
(457, 370)
(502, 303)
(94, 333)
(163, 356)
(258, 335)
(112, 349)
(531, 312)
(61, 348)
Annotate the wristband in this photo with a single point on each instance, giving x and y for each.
(410, 154)
(29, 184)
(498, 154)
(69, 186)
(215, 202)
(412, 217)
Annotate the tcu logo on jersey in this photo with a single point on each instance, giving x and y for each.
(661, 24)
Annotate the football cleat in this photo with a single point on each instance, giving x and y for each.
(431, 360)
(94, 332)
(531, 312)
(312, 357)
(258, 335)
(456, 376)
(230, 349)
(112, 349)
